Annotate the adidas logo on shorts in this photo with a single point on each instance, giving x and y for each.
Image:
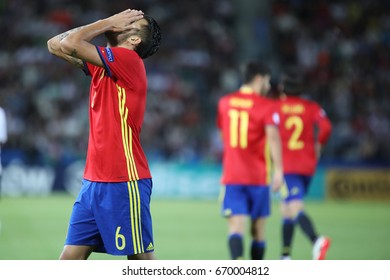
(150, 247)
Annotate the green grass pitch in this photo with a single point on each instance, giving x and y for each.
(34, 228)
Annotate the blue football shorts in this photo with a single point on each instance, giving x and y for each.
(113, 217)
(295, 188)
(246, 200)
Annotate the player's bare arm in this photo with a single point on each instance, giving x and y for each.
(318, 149)
(54, 47)
(274, 141)
(74, 45)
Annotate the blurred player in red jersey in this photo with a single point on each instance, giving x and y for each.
(112, 211)
(304, 129)
(248, 122)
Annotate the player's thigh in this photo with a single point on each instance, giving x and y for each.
(82, 229)
(237, 224)
(293, 208)
(143, 256)
(235, 201)
(124, 219)
(260, 201)
(76, 252)
(295, 187)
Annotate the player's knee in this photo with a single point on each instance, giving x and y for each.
(74, 253)
(257, 232)
(143, 256)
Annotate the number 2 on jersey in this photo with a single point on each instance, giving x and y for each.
(295, 123)
(239, 121)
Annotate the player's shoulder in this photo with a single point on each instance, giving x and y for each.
(263, 99)
(304, 101)
(228, 96)
(119, 49)
(310, 102)
(314, 108)
(313, 105)
(113, 52)
(265, 105)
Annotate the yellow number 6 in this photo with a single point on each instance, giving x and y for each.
(120, 238)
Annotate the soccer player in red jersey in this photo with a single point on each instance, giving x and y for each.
(111, 213)
(248, 122)
(304, 129)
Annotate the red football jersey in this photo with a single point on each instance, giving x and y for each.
(116, 111)
(299, 119)
(242, 118)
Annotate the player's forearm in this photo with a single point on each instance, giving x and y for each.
(54, 47)
(80, 37)
(274, 141)
(276, 155)
(318, 149)
(54, 44)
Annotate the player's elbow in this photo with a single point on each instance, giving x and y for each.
(53, 45)
(272, 133)
(67, 46)
(327, 131)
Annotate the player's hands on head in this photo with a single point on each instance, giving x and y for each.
(122, 21)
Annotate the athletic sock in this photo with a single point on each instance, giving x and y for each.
(236, 246)
(257, 250)
(307, 226)
(287, 236)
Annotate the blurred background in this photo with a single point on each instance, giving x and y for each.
(342, 47)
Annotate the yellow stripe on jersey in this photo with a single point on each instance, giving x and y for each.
(268, 163)
(135, 217)
(122, 99)
(132, 162)
(126, 135)
(128, 149)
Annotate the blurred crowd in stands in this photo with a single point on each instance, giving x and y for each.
(341, 46)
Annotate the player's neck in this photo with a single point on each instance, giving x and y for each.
(247, 89)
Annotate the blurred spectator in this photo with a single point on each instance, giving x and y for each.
(3, 136)
(342, 47)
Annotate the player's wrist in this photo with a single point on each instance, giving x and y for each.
(278, 171)
(105, 24)
(100, 26)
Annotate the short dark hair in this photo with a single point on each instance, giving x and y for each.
(292, 81)
(150, 38)
(253, 68)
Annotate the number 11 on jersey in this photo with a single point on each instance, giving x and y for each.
(239, 121)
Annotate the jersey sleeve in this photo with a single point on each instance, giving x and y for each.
(119, 62)
(272, 116)
(218, 119)
(323, 123)
(88, 68)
